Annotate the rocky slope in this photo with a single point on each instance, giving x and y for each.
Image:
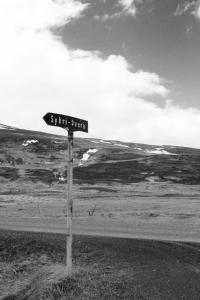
(36, 156)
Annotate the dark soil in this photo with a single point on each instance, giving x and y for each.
(104, 268)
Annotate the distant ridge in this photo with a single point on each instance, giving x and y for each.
(38, 156)
(2, 126)
(16, 130)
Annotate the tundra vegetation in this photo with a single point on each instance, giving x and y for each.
(114, 183)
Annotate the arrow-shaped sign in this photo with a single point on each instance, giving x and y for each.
(67, 122)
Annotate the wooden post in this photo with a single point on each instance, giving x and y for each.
(71, 124)
(69, 204)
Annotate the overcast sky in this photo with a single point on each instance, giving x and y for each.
(129, 67)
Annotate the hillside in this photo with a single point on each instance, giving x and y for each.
(36, 156)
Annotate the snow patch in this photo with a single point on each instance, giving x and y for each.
(58, 142)
(28, 142)
(105, 142)
(121, 145)
(159, 151)
(137, 148)
(61, 179)
(87, 155)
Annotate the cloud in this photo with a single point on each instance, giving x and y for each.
(188, 29)
(124, 8)
(196, 11)
(106, 17)
(184, 8)
(128, 6)
(22, 14)
(192, 7)
(40, 74)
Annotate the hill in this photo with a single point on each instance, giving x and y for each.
(37, 156)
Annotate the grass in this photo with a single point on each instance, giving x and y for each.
(46, 161)
(48, 283)
(32, 267)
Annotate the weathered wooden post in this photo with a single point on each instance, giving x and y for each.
(71, 124)
(69, 204)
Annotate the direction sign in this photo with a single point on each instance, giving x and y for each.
(71, 124)
(67, 122)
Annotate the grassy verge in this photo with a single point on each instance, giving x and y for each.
(32, 267)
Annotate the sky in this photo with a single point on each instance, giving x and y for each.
(129, 67)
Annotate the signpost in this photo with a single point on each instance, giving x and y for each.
(71, 124)
(66, 122)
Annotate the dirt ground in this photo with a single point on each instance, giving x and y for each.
(103, 268)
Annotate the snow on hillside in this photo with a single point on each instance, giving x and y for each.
(61, 179)
(138, 148)
(105, 142)
(159, 151)
(28, 142)
(121, 145)
(87, 155)
(58, 142)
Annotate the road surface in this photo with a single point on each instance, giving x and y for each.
(153, 231)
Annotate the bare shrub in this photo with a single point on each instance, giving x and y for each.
(92, 210)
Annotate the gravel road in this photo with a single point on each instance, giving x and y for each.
(153, 231)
